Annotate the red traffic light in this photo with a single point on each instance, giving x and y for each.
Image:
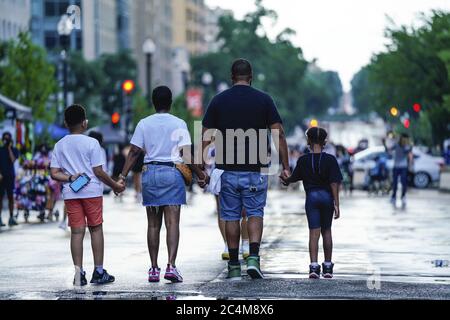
(128, 86)
(115, 118)
(407, 123)
(417, 107)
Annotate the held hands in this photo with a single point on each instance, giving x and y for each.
(284, 176)
(203, 180)
(119, 187)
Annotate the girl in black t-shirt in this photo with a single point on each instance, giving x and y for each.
(321, 178)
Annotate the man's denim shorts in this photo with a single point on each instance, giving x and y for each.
(242, 190)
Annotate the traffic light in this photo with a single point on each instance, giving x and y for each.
(115, 120)
(394, 111)
(417, 107)
(314, 123)
(128, 86)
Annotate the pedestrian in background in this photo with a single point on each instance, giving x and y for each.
(403, 162)
(321, 178)
(8, 155)
(74, 156)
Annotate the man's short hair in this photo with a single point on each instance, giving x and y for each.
(162, 98)
(74, 115)
(241, 69)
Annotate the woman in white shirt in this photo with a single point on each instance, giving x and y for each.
(165, 139)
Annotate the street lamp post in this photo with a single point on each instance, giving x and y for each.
(207, 80)
(149, 48)
(64, 28)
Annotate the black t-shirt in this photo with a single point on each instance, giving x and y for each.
(317, 171)
(246, 108)
(6, 165)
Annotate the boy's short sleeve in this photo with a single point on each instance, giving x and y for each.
(138, 136)
(54, 162)
(97, 159)
(335, 171)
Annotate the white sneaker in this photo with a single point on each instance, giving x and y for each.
(245, 249)
(225, 253)
(403, 202)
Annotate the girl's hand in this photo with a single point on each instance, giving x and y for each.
(337, 212)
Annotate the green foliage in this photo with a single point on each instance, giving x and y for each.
(116, 68)
(27, 77)
(279, 67)
(414, 69)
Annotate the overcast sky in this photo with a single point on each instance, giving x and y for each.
(341, 34)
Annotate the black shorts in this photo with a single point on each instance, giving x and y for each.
(7, 186)
(319, 209)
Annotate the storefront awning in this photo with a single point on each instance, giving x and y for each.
(18, 111)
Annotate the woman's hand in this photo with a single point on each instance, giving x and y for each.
(337, 212)
(203, 180)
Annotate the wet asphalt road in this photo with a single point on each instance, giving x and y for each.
(380, 253)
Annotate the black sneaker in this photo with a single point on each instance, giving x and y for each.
(1, 223)
(81, 281)
(327, 270)
(314, 271)
(103, 278)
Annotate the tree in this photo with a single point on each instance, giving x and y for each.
(116, 69)
(86, 80)
(27, 77)
(414, 69)
(279, 66)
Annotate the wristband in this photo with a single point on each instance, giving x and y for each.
(70, 178)
(121, 176)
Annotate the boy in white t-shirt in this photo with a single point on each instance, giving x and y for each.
(74, 155)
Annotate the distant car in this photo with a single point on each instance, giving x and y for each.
(425, 172)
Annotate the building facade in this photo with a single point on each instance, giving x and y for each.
(14, 17)
(189, 25)
(152, 19)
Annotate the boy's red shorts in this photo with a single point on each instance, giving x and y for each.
(84, 211)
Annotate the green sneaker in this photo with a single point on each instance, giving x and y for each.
(253, 268)
(234, 272)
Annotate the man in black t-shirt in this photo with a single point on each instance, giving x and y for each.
(245, 120)
(8, 155)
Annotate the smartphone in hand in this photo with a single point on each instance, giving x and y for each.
(79, 183)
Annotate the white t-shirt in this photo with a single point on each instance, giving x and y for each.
(161, 135)
(77, 153)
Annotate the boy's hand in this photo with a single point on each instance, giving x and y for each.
(119, 188)
(337, 212)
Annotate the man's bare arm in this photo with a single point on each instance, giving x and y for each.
(281, 146)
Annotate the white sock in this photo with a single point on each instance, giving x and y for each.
(328, 263)
(314, 264)
(245, 245)
(99, 269)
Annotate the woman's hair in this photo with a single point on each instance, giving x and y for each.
(317, 135)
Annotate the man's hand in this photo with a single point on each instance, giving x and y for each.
(285, 174)
(74, 177)
(337, 212)
(203, 180)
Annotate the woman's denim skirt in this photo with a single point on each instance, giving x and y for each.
(162, 186)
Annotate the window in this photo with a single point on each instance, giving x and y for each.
(51, 39)
(63, 5)
(50, 8)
